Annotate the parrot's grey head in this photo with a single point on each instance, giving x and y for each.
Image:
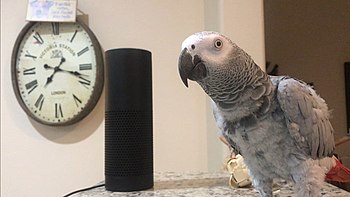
(207, 57)
(225, 72)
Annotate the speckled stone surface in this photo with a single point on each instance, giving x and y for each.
(205, 184)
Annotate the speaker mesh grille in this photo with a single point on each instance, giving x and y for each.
(128, 143)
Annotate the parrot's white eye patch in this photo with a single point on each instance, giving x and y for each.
(218, 43)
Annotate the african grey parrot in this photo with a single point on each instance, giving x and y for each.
(278, 123)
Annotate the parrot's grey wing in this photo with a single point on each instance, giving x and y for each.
(307, 117)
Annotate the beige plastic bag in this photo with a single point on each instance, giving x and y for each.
(236, 167)
(239, 172)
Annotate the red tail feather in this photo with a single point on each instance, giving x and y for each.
(338, 173)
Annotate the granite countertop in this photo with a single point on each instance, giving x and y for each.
(205, 184)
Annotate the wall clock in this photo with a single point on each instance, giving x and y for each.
(57, 71)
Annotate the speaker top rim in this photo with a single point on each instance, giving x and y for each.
(127, 50)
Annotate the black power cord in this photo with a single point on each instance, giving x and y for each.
(85, 189)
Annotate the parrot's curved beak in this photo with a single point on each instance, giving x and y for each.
(185, 65)
(191, 67)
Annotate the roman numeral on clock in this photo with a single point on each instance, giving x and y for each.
(58, 110)
(76, 100)
(29, 71)
(55, 28)
(38, 38)
(75, 33)
(31, 86)
(84, 81)
(39, 102)
(29, 55)
(81, 52)
(85, 66)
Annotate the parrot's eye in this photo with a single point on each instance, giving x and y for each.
(218, 44)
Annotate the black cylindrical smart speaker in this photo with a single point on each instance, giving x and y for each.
(128, 120)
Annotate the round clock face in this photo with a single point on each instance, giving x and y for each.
(57, 72)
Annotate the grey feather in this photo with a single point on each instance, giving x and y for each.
(311, 115)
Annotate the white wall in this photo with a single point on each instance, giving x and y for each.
(37, 160)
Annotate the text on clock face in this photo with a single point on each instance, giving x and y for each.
(57, 48)
(59, 92)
